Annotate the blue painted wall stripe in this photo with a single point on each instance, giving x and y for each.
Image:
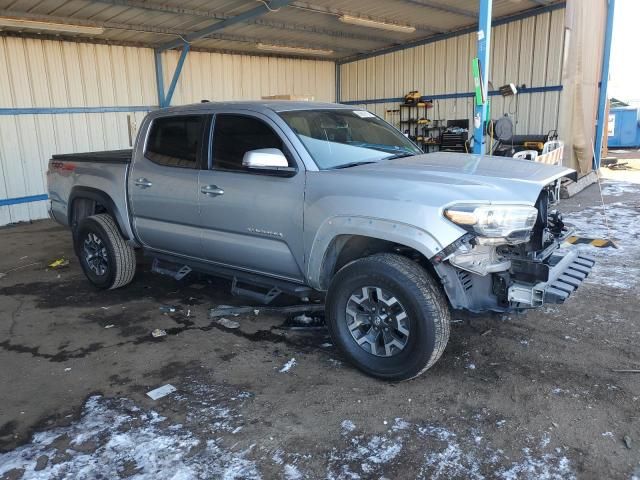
(447, 96)
(463, 31)
(65, 110)
(18, 200)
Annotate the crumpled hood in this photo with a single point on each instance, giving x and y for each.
(462, 177)
(410, 194)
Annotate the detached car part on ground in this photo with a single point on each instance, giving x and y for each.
(302, 198)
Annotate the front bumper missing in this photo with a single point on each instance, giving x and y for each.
(566, 273)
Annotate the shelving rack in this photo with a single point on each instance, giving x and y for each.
(426, 135)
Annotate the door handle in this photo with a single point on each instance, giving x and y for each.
(211, 190)
(142, 183)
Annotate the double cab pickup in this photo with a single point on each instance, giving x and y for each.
(313, 198)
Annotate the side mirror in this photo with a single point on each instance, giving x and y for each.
(264, 157)
(269, 161)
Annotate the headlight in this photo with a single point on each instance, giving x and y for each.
(511, 222)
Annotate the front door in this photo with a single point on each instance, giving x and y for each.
(252, 221)
(163, 185)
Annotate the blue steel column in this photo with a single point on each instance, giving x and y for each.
(338, 86)
(176, 74)
(165, 100)
(604, 83)
(484, 46)
(159, 77)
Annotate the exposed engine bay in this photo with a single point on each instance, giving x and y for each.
(522, 271)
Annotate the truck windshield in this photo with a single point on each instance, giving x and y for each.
(344, 138)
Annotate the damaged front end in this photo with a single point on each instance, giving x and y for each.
(510, 259)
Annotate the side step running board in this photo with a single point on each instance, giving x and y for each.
(263, 297)
(170, 269)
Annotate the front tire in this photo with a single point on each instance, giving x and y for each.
(388, 316)
(107, 260)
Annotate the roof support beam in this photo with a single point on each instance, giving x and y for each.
(295, 27)
(176, 32)
(338, 12)
(444, 8)
(159, 7)
(258, 11)
(484, 55)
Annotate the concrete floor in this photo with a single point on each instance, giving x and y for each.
(517, 396)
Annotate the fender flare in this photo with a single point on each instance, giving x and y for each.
(375, 228)
(103, 199)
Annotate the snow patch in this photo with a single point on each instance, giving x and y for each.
(546, 467)
(347, 426)
(114, 438)
(291, 472)
(612, 268)
(288, 366)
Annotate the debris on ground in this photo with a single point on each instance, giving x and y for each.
(288, 366)
(225, 322)
(303, 319)
(303, 322)
(627, 441)
(162, 391)
(158, 332)
(59, 263)
(227, 310)
(111, 325)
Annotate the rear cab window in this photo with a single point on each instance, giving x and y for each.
(176, 141)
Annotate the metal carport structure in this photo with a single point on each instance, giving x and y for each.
(340, 32)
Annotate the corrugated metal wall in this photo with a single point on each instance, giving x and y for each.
(219, 76)
(41, 80)
(526, 51)
(49, 76)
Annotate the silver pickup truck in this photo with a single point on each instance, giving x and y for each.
(305, 198)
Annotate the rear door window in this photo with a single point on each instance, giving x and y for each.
(176, 141)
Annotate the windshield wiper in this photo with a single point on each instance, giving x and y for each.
(380, 147)
(352, 164)
(400, 155)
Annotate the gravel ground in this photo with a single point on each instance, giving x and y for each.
(531, 396)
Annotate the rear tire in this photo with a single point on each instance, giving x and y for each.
(388, 316)
(107, 260)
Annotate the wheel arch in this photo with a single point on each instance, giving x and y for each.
(343, 239)
(87, 201)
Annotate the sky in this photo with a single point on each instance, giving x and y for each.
(624, 75)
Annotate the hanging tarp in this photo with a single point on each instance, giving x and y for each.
(584, 39)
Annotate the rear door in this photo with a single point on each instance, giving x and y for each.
(163, 184)
(251, 220)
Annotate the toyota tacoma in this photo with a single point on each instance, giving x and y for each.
(307, 198)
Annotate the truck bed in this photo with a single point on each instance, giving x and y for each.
(105, 156)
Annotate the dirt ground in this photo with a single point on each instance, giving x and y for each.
(532, 396)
